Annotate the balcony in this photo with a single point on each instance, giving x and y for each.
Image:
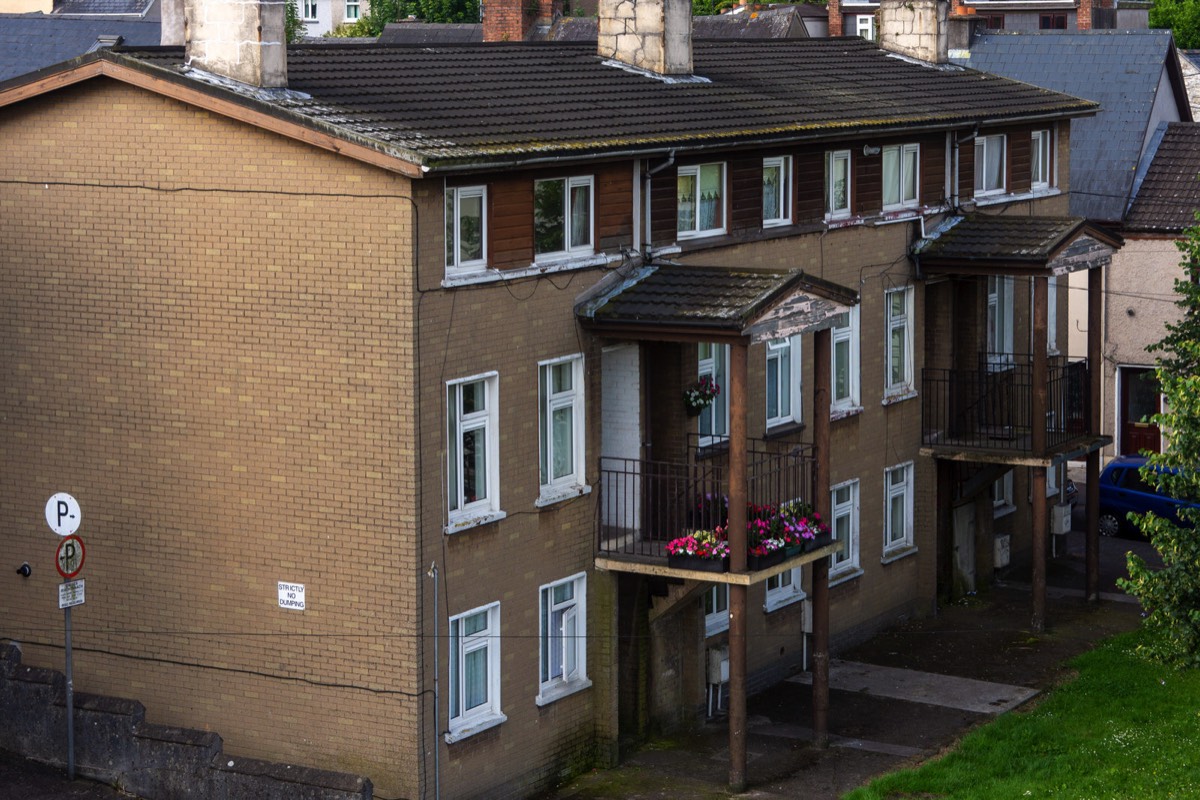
(643, 505)
(990, 409)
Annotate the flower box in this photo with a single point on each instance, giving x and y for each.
(755, 563)
(698, 564)
(793, 550)
(818, 541)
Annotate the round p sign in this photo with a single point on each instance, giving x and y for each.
(63, 514)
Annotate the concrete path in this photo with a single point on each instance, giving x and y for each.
(966, 694)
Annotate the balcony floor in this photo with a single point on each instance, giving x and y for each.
(657, 566)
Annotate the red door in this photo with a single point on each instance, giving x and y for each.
(1140, 400)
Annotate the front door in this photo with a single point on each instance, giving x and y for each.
(1140, 400)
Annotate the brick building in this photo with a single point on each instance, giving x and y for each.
(411, 327)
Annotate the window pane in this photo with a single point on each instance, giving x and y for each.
(910, 175)
(474, 465)
(841, 369)
(564, 455)
(773, 386)
(841, 534)
(686, 202)
(561, 377)
(548, 205)
(899, 356)
(711, 204)
(475, 678)
(896, 532)
(449, 226)
(470, 228)
(581, 216)
(771, 191)
(891, 176)
(455, 677)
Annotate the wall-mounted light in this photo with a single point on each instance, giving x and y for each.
(870, 151)
(24, 570)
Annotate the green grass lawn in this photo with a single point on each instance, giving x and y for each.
(1123, 729)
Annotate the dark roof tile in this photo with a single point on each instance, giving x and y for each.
(1169, 195)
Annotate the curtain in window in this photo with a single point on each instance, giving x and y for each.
(909, 189)
(548, 202)
(897, 311)
(891, 176)
(711, 206)
(581, 216)
(470, 228)
(841, 369)
(771, 208)
(841, 536)
(686, 202)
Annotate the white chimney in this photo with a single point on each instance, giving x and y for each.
(915, 28)
(244, 40)
(654, 35)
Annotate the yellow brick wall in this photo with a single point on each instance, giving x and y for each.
(207, 340)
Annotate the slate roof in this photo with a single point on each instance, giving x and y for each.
(30, 42)
(126, 7)
(995, 243)
(431, 33)
(1169, 195)
(709, 300)
(1119, 69)
(500, 104)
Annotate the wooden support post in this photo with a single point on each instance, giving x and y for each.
(1095, 338)
(822, 396)
(1038, 408)
(737, 563)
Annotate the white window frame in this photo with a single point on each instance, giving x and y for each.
(553, 489)
(781, 354)
(716, 620)
(352, 10)
(461, 512)
(455, 264)
(864, 26)
(999, 321)
(695, 171)
(467, 722)
(784, 589)
(901, 490)
(1051, 315)
(909, 166)
(569, 250)
(898, 324)
(571, 649)
(838, 161)
(713, 424)
(849, 334)
(783, 191)
(1002, 495)
(309, 9)
(1041, 149)
(848, 509)
(985, 146)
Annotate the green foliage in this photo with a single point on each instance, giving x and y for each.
(293, 27)
(1182, 17)
(1123, 728)
(710, 8)
(384, 11)
(1171, 595)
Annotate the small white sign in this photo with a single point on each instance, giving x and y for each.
(70, 593)
(291, 595)
(63, 514)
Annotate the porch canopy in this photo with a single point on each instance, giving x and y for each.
(669, 302)
(989, 244)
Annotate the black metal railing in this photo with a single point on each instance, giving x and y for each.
(642, 505)
(991, 407)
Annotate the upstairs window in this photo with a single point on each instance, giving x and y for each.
(466, 228)
(474, 672)
(1041, 160)
(989, 165)
(700, 198)
(1000, 321)
(899, 354)
(898, 515)
(864, 26)
(310, 10)
(844, 560)
(351, 10)
(562, 217)
(563, 638)
(473, 464)
(777, 191)
(560, 424)
(837, 184)
(783, 381)
(844, 362)
(714, 419)
(1052, 22)
(900, 166)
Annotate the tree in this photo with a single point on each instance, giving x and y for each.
(384, 11)
(1171, 595)
(1182, 17)
(294, 28)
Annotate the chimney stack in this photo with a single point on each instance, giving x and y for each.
(654, 35)
(244, 41)
(834, 10)
(1083, 15)
(915, 28)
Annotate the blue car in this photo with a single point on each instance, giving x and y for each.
(1123, 490)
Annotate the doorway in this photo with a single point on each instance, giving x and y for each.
(1140, 400)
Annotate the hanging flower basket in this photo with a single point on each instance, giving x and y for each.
(700, 395)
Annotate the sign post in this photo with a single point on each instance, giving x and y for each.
(63, 516)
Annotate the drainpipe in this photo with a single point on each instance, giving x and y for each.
(647, 246)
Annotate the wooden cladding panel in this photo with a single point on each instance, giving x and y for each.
(1020, 160)
(745, 194)
(933, 170)
(614, 198)
(810, 185)
(510, 223)
(663, 218)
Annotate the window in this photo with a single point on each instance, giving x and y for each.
(989, 164)
(864, 26)
(837, 184)
(466, 228)
(561, 424)
(714, 419)
(999, 321)
(310, 10)
(716, 609)
(1052, 22)
(1041, 159)
(993, 22)
(900, 168)
(777, 191)
(844, 362)
(701, 200)
(1051, 315)
(783, 589)
(563, 638)
(898, 514)
(562, 217)
(473, 464)
(474, 672)
(899, 355)
(845, 529)
(783, 381)
(1002, 495)
(351, 10)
